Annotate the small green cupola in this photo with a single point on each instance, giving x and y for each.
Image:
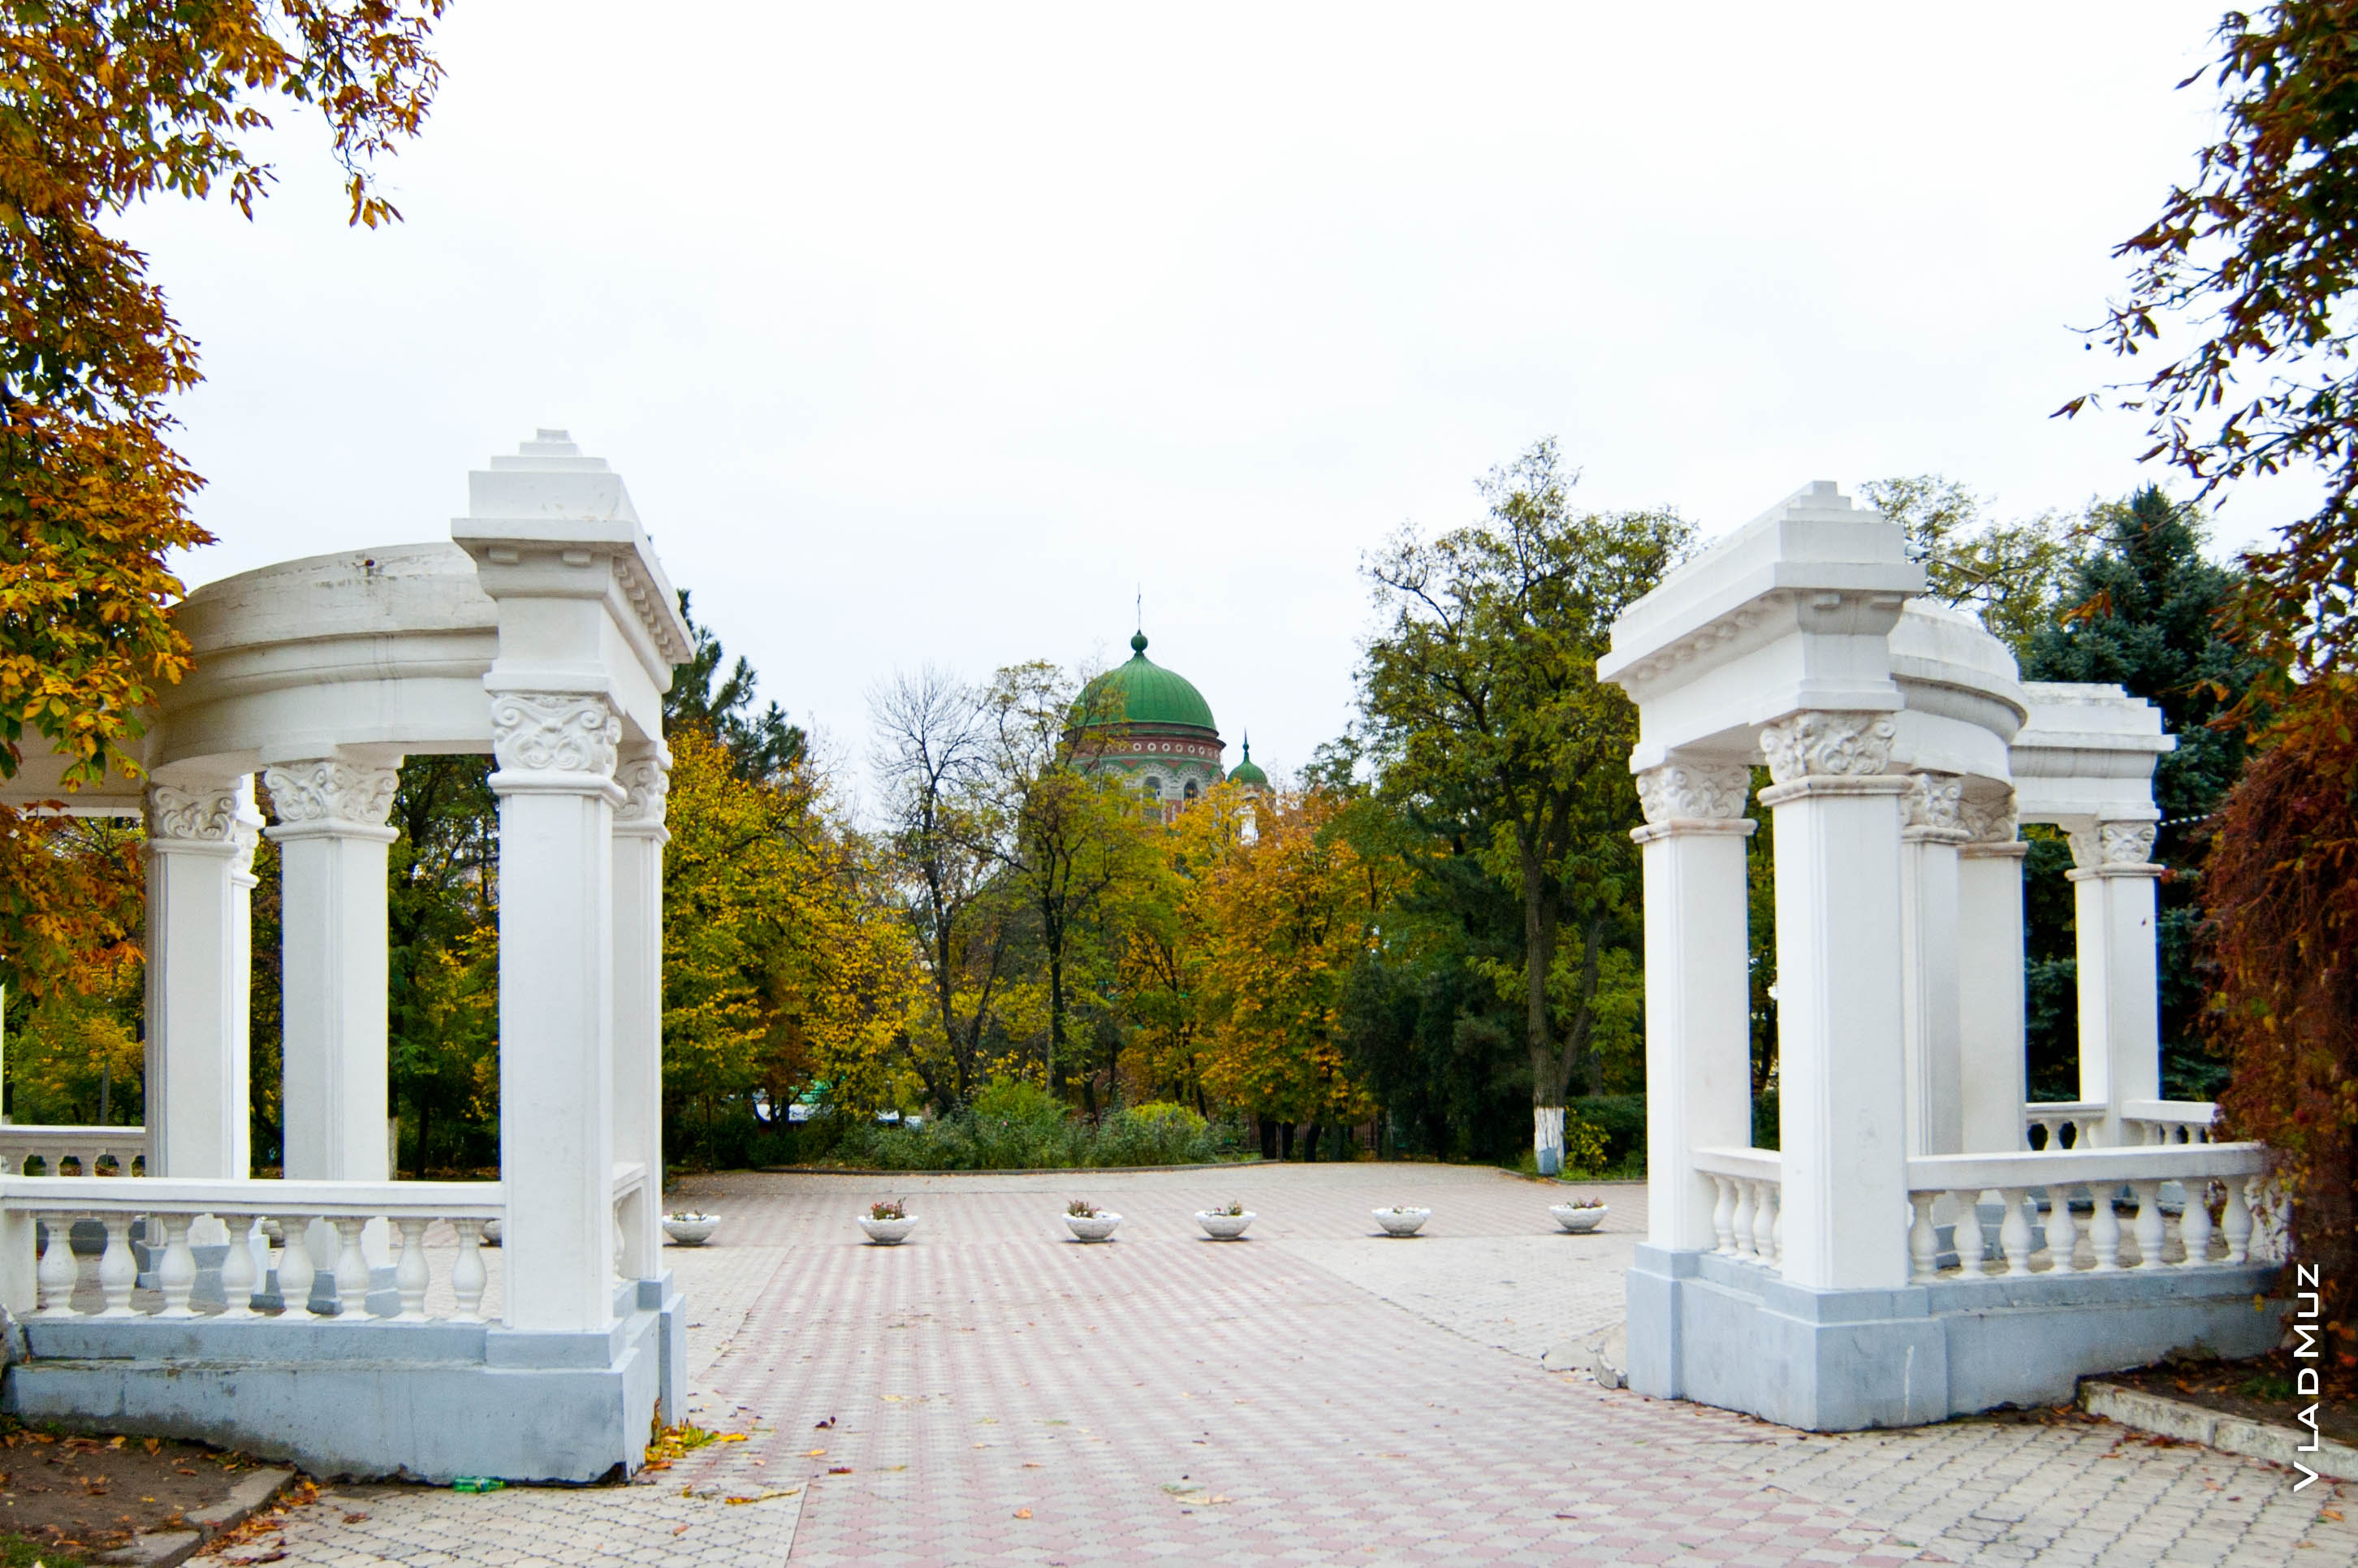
(1248, 772)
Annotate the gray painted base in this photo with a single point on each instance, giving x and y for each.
(1709, 1328)
(365, 1398)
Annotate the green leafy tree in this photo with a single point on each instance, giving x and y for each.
(2016, 576)
(1480, 695)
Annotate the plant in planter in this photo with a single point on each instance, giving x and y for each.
(1226, 1223)
(1088, 1222)
(888, 1223)
(1580, 1216)
(689, 1228)
(1402, 1220)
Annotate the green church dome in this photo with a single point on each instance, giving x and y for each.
(1249, 772)
(1143, 692)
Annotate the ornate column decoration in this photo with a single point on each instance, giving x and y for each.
(564, 742)
(332, 840)
(1698, 987)
(2119, 971)
(201, 841)
(1828, 745)
(1842, 954)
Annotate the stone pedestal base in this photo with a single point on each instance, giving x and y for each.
(1709, 1328)
(428, 1402)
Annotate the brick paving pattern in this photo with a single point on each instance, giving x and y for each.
(994, 1393)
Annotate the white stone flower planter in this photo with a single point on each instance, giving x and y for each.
(1091, 1227)
(1579, 1221)
(1402, 1221)
(888, 1232)
(690, 1229)
(1224, 1227)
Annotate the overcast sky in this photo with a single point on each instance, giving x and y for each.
(934, 332)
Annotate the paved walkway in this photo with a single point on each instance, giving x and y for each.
(993, 1393)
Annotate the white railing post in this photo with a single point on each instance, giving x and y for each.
(176, 1268)
(59, 1269)
(238, 1274)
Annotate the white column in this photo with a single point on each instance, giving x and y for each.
(1934, 825)
(199, 868)
(1841, 1059)
(639, 839)
(555, 784)
(1698, 989)
(1993, 1076)
(2120, 996)
(332, 839)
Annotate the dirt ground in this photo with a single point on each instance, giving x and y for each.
(91, 1494)
(2261, 1389)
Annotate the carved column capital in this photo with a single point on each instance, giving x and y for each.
(2114, 849)
(326, 795)
(560, 741)
(205, 815)
(645, 778)
(1932, 811)
(1693, 797)
(1992, 826)
(1822, 743)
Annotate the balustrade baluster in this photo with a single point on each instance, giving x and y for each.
(118, 1271)
(237, 1266)
(2194, 1225)
(294, 1265)
(1764, 1221)
(1743, 1219)
(1970, 1247)
(1924, 1237)
(2151, 1227)
(410, 1275)
(467, 1276)
(2062, 1232)
(2105, 1228)
(2014, 1231)
(175, 1270)
(2235, 1223)
(1723, 1214)
(351, 1269)
(58, 1270)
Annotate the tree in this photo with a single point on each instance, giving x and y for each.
(1289, 914)
(2015, 576)
(2255, 256)
(1482, 690)
(442, 961)
(932, 760)
(2147, 616)
(1070, 838)
(2281, 897)
(102, 104)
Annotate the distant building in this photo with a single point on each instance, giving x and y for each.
(1151, 727)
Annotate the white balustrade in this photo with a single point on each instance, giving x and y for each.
(2153, 1122)
(86, 1146)
(2047, 1122)
(255, 1213)
(2230, 1175)
(1748, 1216)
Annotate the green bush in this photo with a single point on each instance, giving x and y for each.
(1010, 1127)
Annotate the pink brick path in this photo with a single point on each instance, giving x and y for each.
(998, 1394)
